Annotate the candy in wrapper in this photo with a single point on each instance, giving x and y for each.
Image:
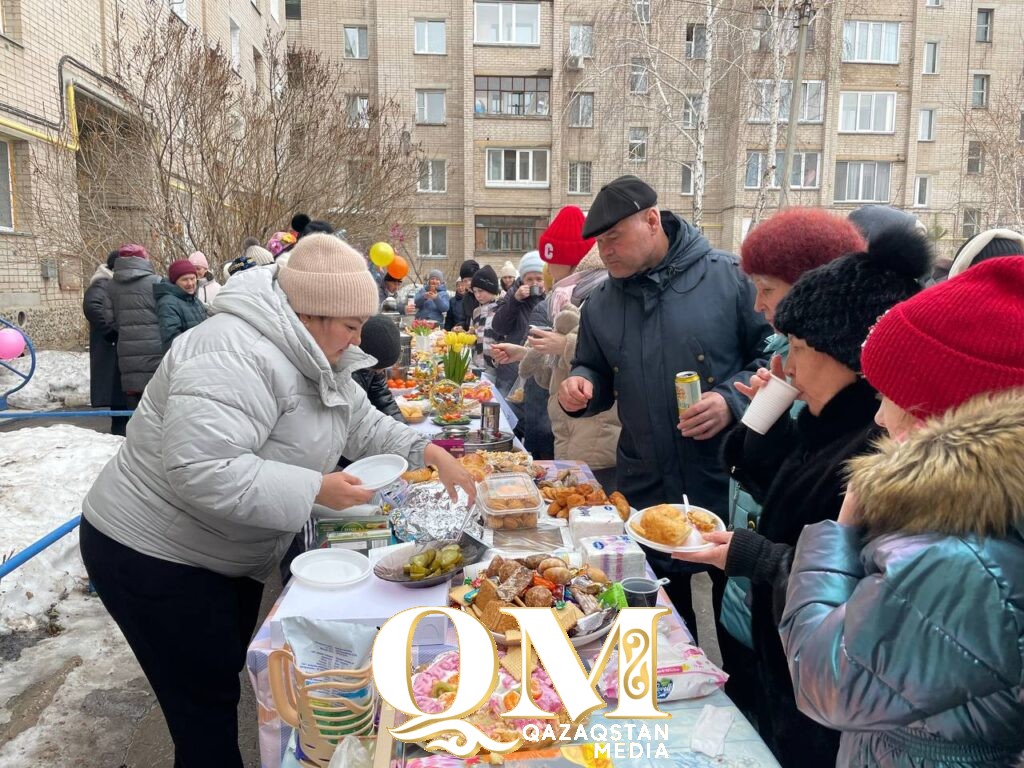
(614, 596)
(585, 584)
(594, 621)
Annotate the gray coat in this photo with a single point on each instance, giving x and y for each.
(226, 452)
(139, 348)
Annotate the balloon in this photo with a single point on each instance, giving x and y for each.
(12, 343)
(382, 254)
(398, 268)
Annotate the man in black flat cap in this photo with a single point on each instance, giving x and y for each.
(671, 304)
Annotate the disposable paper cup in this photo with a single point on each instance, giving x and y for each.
(770, 402)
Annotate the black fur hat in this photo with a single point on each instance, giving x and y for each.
(299, 222)
(834, 306)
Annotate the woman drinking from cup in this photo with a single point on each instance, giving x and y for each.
(795, 469)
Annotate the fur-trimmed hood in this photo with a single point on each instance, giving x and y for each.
(961, 473)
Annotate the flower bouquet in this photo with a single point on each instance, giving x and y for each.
(458, 351)
(422, 327)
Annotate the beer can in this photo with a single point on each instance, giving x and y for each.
(687, 389)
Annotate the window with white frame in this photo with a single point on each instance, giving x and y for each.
(931, 58)
(862, 182)
(696, 46)
(686, 187)
(867, 112)
(926, 125)
(507, 23)
(514, 234)
(787, 27)
(871, 42)
(236, 44)
(642, 9)
(432, 242)
(581, 110)
(356, 46)
(975, 157)
(979, 91)
(433, 176)
(517, 167)
(179, 8)
(639, 75)
(803, 174)
(580, 176)
(581, 40)
(358, 110)
(811, 101)
(430, 107)
(933, 3)
(921, 186)
(430, 37)
(512, 95)
(983, 29)
(971, 222)
(691, 110)
(6, 186)
(637, 147)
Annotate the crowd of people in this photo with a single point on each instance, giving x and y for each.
(869, 591)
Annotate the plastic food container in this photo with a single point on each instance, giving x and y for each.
(509, 501)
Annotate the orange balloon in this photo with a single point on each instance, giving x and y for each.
(398, 268)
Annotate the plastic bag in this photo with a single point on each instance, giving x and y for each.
(517, 394)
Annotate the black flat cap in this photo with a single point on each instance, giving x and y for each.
(617, 200)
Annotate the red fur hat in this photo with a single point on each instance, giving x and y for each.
(797, 240)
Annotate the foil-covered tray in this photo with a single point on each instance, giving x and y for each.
(428, 512)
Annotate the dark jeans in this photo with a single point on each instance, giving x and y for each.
(189, 628)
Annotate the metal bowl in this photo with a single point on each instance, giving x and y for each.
(390, 568)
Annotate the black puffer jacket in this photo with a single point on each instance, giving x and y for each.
(99, 311)
(512, 319)
(139, 350)
(375, 384)
(176, 311)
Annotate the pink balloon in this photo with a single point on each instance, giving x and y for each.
(12, 343)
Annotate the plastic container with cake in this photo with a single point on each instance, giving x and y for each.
(509, 501)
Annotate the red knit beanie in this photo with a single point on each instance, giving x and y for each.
(179, 269)
(562, 242)
(955, 340)
(797, 240)
(132, 250)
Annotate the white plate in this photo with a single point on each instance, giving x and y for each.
(332, 567)
(378, 472)
(695, 543)
(359, 510)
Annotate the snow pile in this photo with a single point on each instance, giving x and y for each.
(61, 380)
(45, 473)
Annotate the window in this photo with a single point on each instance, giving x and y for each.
(355, 43)
(517, 234)
(507, 23)
(581, 111)
(933, 3)
(236, 45)
(979, 92)
(512, 95)
(972, 222)
(871, 42)
(926, 125)
(802, 175)
(430, 37)
(639, 81)
(637, 150)
(433, 176)
(920, 191)
(517, 168)
(811, 101)
(862, 182)
(293, 10)
(975, 157)
(687, 179)
(787, 28)
(691, 110)
(179, 8)
(579, 178)
(6, 187)
(581, 40)
(430, 107)
(696, 41)
(642, 9)
(432, 242)
(867, 112)
(275, 9)
(358, 111)
(931, 58)
(983, 30)
(257, 65)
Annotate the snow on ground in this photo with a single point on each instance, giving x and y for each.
(61, 380)
(45, 473)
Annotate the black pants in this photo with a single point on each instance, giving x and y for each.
(189, 628)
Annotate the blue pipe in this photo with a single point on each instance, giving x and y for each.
(31, 551)
(59, 414)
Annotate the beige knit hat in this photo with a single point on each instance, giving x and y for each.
(326, 277)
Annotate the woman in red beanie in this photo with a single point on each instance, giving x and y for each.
(904, 620)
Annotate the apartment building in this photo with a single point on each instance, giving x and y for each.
(525, 106)
(55, 58)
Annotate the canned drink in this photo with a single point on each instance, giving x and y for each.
(687, 389)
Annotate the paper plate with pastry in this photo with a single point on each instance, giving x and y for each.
(669, 528)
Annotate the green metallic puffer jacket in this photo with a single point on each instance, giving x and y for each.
(908, 634)
(176, 311)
